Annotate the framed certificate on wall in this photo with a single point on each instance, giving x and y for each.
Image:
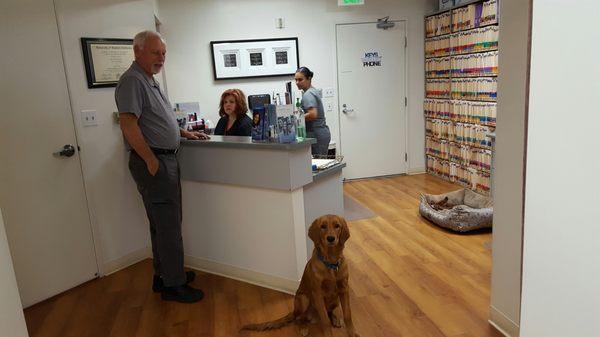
(106, 60)
(234, 59)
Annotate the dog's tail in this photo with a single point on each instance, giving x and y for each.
(276, 324)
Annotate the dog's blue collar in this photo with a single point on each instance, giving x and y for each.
(332, 266)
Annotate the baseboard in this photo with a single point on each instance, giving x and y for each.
(244, 275)
(211, 267)
(502, 323)
(126, 261)
(418, 170)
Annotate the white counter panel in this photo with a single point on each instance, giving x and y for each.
(253, 231)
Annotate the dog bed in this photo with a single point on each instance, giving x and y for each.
(460, 211)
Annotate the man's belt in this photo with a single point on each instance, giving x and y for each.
(163, 151)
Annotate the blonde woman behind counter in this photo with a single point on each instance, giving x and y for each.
(314, 114)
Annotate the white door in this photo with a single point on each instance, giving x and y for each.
(41, 195)
(372, 91)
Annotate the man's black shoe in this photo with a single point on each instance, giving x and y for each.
(158, 285)
(182, 294)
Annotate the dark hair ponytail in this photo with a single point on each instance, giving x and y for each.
(306, 72)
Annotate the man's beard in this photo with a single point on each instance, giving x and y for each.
(156, 69)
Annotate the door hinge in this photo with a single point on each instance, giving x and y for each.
(405, 101)
(405, 156)
(405, 42)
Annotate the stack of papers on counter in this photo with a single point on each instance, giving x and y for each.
(323, 163)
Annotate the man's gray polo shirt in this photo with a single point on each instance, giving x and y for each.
(141, 95)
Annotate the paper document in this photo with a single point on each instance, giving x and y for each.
(323, 163)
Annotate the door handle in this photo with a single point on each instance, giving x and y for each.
(346, 110)
(67, 151)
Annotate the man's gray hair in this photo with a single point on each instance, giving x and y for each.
(140, 38)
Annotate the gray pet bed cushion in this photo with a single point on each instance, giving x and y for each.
(463, 211)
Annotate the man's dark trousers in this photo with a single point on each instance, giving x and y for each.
(161, 194)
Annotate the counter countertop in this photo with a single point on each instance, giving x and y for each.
(246, 142)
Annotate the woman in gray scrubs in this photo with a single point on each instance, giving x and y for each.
(314, 114)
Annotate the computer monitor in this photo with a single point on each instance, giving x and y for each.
(258, 100)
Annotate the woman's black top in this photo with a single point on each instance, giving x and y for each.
(241, 127)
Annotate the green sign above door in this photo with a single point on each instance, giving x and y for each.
(350, 2)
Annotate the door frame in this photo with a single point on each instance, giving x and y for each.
(337, 73)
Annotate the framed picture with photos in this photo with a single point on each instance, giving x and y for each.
(234, 59)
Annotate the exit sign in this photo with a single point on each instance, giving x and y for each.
(350, 2)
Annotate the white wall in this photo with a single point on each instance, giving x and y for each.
(561, 262)
(189, 26)
(117, 213)
(509, 165)
(11, 312)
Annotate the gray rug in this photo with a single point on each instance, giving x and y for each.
(354, 210)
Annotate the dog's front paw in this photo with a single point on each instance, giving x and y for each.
(304, 331)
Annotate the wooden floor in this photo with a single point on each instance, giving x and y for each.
(407, 278)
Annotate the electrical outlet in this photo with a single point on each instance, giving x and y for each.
(328, 106)
(328, 92)
(88, 118)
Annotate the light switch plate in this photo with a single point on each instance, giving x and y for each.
(89, 118)
(328, 92)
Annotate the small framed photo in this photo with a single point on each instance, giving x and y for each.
(234, 59)
(106, 60)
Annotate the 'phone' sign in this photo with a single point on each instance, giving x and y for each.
(371, 59)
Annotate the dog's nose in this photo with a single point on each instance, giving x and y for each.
(330, 238)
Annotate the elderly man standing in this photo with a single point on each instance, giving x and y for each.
(152, 135)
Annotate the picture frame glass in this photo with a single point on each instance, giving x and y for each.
(106, 60)
(254, 58)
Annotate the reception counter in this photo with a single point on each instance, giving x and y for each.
(247, 207)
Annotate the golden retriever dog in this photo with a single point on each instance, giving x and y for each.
(324, 283)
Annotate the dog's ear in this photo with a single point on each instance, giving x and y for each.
(314, 231)
(345, 231)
